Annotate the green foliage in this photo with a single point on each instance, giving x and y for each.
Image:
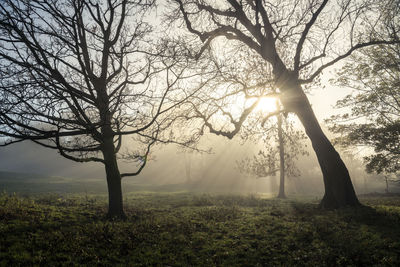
(374, 117)
(181, 229)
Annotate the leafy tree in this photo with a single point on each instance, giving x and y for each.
(373, 119)
(281, 143)
(79, 76)
(297, 40)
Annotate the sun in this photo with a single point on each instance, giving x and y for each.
(267, 105)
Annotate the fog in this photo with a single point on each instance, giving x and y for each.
(216, 171)
(205, 172)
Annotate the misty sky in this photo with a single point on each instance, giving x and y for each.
(29, 157)
(212, 172)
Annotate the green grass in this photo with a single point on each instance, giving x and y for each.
(182, 229)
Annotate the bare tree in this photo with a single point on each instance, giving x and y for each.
(298, 40)
(79, 75)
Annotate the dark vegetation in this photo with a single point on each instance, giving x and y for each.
(186, 229)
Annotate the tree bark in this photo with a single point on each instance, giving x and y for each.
(115, 201)
(339, 191)
(281, 193)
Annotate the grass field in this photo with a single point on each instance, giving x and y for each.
(183, 229)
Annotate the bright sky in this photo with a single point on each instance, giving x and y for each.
(323, 99)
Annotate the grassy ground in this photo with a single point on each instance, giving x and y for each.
(183, 229)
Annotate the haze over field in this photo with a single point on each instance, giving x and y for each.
(214, 172)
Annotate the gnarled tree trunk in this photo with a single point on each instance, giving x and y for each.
(339, 191)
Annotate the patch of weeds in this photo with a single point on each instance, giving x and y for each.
(219, 213)
(167, 229)
(203, 200)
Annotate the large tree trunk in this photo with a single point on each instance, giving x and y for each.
(115, 202)
(281, 193)
(339, 191)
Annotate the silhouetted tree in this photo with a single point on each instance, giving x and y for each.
(298, 40)
(80, 75)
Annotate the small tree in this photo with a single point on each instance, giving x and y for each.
(391, 178)
(281, 143)
(78, 76)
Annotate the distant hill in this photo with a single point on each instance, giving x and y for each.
(32, 183)
(39, 183)
(21, 176)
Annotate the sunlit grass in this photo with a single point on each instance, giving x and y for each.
(182, 229)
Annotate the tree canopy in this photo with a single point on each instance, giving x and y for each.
(372, 110)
